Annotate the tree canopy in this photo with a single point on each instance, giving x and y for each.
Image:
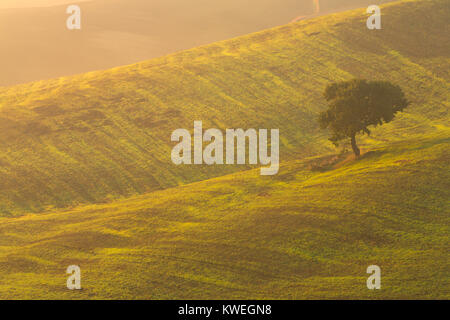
(355, 105)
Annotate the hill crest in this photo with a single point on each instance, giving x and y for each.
(105, 135)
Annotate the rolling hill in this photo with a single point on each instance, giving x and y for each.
(308, 233)
(120, 32)
(86, 176)
(105, 135)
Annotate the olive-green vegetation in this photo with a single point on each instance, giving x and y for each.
(105, 135)
(86, 177)
(309, 232)
(357, 105)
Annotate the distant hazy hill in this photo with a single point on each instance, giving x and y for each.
(36, 44)
(105, 135)
(8, 4)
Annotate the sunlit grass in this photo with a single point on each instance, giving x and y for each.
(105, 135)
(82, 159)
(303, 234)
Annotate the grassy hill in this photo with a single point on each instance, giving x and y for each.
(104, 136)
(82, 159)
(308, 233)
(120, 32)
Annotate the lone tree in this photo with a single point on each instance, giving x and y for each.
(355, 105)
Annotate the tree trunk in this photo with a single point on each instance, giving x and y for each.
(355, 147)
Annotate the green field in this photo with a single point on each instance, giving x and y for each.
(86, 176)
(105, 135)
(310, 232)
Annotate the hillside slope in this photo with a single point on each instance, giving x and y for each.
(308, 233)
(120, 32)
(105, 135)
